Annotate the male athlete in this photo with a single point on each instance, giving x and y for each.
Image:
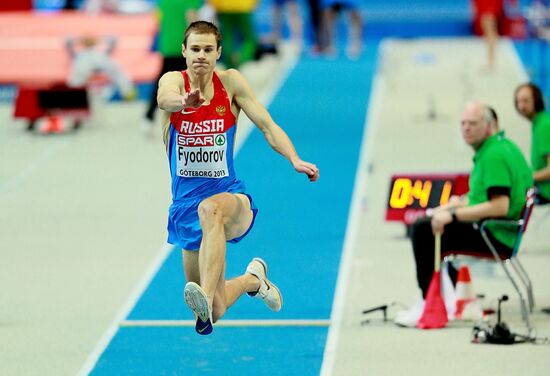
(210, 207)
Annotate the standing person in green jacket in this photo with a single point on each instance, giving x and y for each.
(236, 19)
(174, 16)
(530, 104)
(499, 181)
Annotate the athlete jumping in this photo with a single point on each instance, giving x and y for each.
(210, 205)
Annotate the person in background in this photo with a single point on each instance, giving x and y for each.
(331, 9)
(294, 20)
(70, 5)
(240, 42)
(529, 103)
(315, 19)
(100, 6)
(489, 16)
(498, 183)
(174, 16)
(90, 56)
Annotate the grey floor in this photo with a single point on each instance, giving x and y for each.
(77, 235)
(379, 268)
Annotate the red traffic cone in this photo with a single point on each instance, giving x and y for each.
(53, 124)
(466, 304)
(435, 314)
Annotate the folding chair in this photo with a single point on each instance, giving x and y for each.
(528, 304)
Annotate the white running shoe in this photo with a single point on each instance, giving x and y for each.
(268, 292)
(197, 301)
(409, 318)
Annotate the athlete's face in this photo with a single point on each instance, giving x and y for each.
(525, 103)
(201, 53)
(475, 129)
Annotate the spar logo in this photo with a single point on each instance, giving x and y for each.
(199, 140)
(220, 140)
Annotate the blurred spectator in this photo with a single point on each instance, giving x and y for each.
(118, 6)
(331, 9)
(100, 6)
(174, 16)
(489, 16)
(207, 13)
(498, 184)
(239, 43)
(90, 58)
(315, 19)
(71, 5)
(530, 104)
(294, 20)
(538, 15)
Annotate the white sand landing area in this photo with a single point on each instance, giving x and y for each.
(413, 126)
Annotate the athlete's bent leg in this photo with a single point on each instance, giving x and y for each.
(222, 216)
(229, 291)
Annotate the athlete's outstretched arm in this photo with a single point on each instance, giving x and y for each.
(170, 97)
(275, 135)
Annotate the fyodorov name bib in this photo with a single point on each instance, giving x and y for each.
(204, 137)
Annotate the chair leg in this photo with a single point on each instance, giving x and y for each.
(526, 281)
(522, 300)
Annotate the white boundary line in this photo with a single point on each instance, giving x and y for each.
(359, 192)
(126, 308)
(224, 323)
(91, 361)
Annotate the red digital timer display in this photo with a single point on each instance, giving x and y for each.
(410, 195)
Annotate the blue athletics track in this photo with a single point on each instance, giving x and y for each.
(299, 231)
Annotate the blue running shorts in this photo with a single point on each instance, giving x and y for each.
(184, 229)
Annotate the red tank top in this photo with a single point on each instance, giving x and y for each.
(201, 144)
(205, 119)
